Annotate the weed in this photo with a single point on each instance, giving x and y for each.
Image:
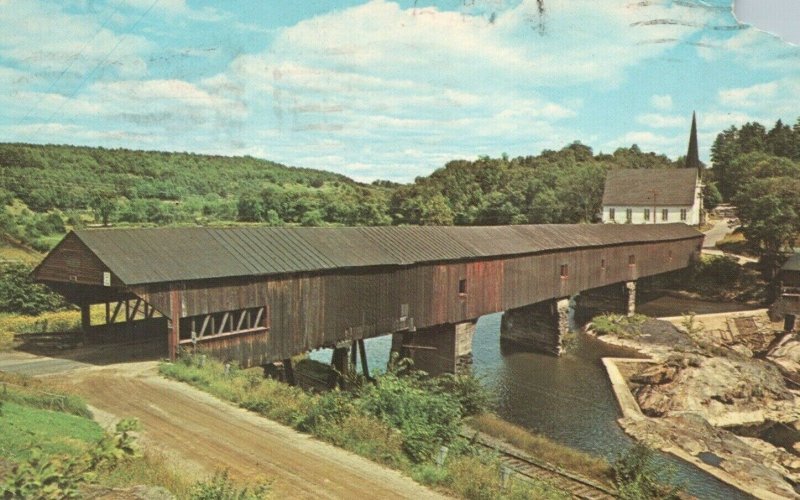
(619, 325)
(636, 476)
(222, 487)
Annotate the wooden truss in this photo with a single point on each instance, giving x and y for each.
(224, 324)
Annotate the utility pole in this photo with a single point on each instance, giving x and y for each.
(655, 194)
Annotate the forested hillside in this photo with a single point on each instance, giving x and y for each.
(44, 190)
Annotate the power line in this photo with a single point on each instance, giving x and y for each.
(69, 66)
(91, 73)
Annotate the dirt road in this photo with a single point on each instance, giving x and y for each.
(203, 434)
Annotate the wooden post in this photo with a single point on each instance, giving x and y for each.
(353, 354)
(288, 370)
(174, 324)
(86, 317)
(363, 350)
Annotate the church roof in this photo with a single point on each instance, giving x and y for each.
(636, 187)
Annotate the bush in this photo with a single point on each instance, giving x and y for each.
(636, 476)
(19, 294)
(425, 419)
(222, 487)
(618, 324)
(472, 397)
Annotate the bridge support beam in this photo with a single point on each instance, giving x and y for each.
(619, 298)
(438, 349)
(540, 327)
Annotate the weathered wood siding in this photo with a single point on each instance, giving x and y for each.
(72, 262)
(311, 311)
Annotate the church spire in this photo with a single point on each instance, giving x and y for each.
(693, 156)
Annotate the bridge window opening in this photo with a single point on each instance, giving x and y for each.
(564, 271)
(603, 264)
(646, 214)
(631, 260)
(669, 256)
(462, 286)
(223, 324)
(664, 214)
(403, 312)
(612, 214)
(683, 214)
(628, 215)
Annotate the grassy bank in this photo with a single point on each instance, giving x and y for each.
(51, 448)
(400, 421)
(47, 322)
(543, 448)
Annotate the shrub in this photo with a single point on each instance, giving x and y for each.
(222, 487)
(19, 294)
(636, 476)
(618, 324)
(425, 419)
(472, 397)
(45, 477)
(329, 408)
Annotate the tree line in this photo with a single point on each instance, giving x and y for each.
(753, 167)
(758, 170)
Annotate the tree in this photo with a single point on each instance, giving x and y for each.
(770, 213)
(723, 152)
(711, 195)
(20, 295)
(435, 211)
(249, 208)
(104, 205)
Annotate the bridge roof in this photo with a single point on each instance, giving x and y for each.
(157, 255)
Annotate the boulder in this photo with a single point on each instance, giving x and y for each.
(786, 355)
(656, 375)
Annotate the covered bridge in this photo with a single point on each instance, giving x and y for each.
(261, 294)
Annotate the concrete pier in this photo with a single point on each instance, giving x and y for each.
(540, 327)
(619, 298)
(437, 350)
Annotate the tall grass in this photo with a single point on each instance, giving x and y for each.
(543, 448)
(31, 392)
(398, 421)
(39, 420)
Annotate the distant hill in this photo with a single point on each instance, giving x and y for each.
(68, 177)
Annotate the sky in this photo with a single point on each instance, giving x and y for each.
(386, 89)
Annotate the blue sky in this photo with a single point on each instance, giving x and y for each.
(385, 89)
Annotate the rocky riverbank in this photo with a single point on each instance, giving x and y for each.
(711, 375)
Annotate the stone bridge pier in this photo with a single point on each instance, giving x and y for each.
(540, 327)
(438, 349)
(619, 298)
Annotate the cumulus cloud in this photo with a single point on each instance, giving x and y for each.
(661, 102)
(656, 120)
(46, 39)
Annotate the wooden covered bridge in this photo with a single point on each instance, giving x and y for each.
(258, 295)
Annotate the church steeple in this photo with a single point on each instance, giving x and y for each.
(693, 156)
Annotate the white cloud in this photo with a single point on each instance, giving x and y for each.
(175, 8)
(748, 96)
(431, 80)
(661, 102)
(656, 120)
(46, 39)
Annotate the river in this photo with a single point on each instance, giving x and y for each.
(567, 398)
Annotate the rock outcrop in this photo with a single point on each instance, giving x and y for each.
(722, 390)
(786, 355)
